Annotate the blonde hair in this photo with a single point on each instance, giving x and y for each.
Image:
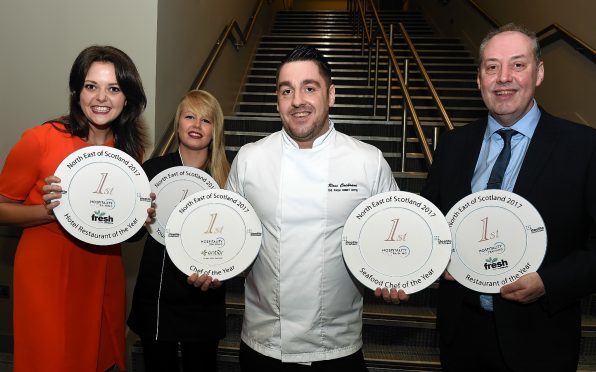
(204, 104)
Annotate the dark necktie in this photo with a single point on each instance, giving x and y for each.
(494, 182)
(498, 172)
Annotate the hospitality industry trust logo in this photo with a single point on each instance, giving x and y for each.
(213, 245)
(396, 236)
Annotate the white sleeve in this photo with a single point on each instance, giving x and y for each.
(385, 180)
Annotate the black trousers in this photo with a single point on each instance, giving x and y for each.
(475, 346)
(162, 356)
(252, 361)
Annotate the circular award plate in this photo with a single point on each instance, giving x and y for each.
(214, 232)
(498, 236)
(105, 195)
(396, 240)
(171, 186)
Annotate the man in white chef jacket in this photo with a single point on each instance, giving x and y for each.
(303, 309)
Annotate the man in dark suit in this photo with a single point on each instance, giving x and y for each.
(534, 324)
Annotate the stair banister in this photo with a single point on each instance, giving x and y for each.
(577, 43)
(427, 80)
(393, 61)
(170, 134)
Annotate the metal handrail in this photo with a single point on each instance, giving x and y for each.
(170, 134)
(486, 16)
(426, 77)
(580, 45)
(418, 127)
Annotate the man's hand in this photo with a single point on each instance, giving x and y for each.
(525, 290)
(392, 296)
(448, 276)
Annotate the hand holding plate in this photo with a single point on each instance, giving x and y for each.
(392, 296)
(51, 192)
(448, 276)
(525, 290)
(151, 210)
(204, 282)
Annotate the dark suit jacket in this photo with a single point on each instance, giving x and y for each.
(558, 176)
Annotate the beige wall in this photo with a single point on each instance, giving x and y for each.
(40, 40)
(569, 87)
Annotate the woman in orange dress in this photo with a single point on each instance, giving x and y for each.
(69, 300)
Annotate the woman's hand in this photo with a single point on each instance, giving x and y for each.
(52, 191)
(151, 210)
(204, 282)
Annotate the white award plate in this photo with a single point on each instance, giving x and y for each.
(105, 195)
(498, 236)
(171, 186)
(214, 232)
(396, 240)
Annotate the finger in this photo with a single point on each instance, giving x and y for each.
(192, 279)
(215, 284)
(386, 295)
(52, 179)
(510, 288)
(394, 296)
(206, 284)
(378, 292)
(52, 204)
(403, 296)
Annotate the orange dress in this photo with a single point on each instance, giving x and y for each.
(69, 300)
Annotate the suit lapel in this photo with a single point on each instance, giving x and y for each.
(538, 154)
(472, 149)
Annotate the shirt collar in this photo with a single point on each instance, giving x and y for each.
(526, 125)
(318, 142)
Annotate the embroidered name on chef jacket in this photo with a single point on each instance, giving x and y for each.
(342, 187)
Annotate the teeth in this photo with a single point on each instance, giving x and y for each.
(504, 92)
(101, 109)
(301, 114)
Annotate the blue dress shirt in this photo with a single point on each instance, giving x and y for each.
(492, 144)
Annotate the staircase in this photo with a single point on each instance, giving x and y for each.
(396, 337)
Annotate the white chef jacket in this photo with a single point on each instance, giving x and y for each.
(301, 303)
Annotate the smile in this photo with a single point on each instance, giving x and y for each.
(505, 92)
(195, 135)
(100, 109)
(301, 114)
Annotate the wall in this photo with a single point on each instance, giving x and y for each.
(570, 78)
(40, 40)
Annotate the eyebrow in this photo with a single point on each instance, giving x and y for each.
(302, 83)
(95, 82)
(517, 56)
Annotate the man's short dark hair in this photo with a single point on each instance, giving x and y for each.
(307, 53)
(515, 28)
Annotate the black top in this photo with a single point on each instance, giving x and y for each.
(185, 312)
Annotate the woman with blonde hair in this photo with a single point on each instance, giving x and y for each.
(170, 310)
